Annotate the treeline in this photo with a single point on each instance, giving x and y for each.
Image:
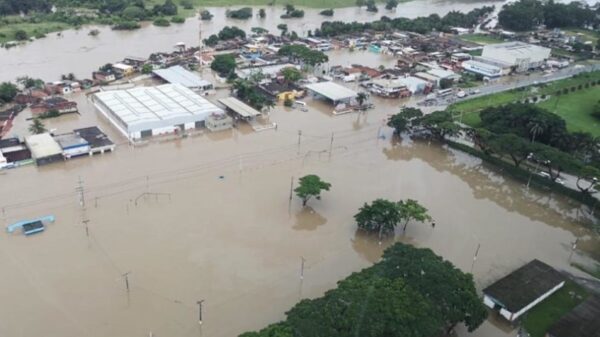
(420, 25)
(411, 292)
(526, 15)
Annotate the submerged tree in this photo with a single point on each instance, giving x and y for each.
(411, 210)
(381, 216)
(311, 186)
(36, 127)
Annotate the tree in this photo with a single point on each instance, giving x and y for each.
(36, 127)
(206, 15)
(587, 179)
(536, 128)
(411, 210)
(371, 6)
(381, 216)
(8, 91)
(147, 68)
(311, 186)
(440, 124)
(360, 3)
(21, 35)
(261, 13)
(28, 82)
(327, 12)
(446, 83)
(361, 98)
(133, 13)
(259, 30)
(187, 4)
(391, 4)
(223, 64)
(291, 74)
(283, 28)
(451, 292)
(169, 8)
(507, 143)
(403, 120)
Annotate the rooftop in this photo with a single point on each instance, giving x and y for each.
(583, 321)
(148, 107)
(239, 107)
(180, 75)
(42, 145)
(524, 285)
(70, 140)
(94, 136)
(331, 90)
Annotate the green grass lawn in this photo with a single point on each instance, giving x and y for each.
(593, 271)
(576, 108)
(481, 38)
(280, 3)
(541, 317)
(7, 32)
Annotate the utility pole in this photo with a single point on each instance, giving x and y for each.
(87, 231)
(573, 247)
(299, 139)
(331, 145)
(80, 191)
(475, 257)
(291, 188)
(200, 311)
(126, 276)
(302, 260)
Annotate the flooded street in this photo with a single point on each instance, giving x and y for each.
(77, 52)
(208, 217)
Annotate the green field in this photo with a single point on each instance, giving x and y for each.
(576, 110)
(481, 38)
(541, 317)
(280, 3)
(7, 32)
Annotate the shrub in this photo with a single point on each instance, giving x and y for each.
(126, 25)
(162, 22)
(21, 35)
(178, 19)
(187, 4)
(288, 102)
(327, 12)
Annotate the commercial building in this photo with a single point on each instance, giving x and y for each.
(481, 68)
(184, 77)
(332, 92)
(240, 109)
(218, 122)
(149, 111)
(14, 152)
(97, 140)
(72, 145)
(389, 88)
(519, 291)
(583, 321)
(522, 56)
(44, 149)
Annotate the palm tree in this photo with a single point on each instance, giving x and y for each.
(536, 128)
(361, 98)
(37, 127)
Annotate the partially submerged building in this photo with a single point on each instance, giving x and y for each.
(97, 140)
(14, 152)
(522, 56)
(180, 75)
(516, 293)
(149, 111)
(44, 149)
(332, 92)
(72, 145)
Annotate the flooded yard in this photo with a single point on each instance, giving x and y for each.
(208, 217)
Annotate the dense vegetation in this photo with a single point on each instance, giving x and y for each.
(303, 54)
(227, 33)
(242, 13)
(420, 25)
(411, 293)
(528, 14)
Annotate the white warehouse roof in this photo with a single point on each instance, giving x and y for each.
(147, 108)
(333, 91)
(512, 52)
(180, 75)
(239, 107)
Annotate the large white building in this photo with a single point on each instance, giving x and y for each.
(522, 56)
(149, 111)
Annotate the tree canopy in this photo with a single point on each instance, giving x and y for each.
(311, 186)
(303, 54)
(8, 91)
(526, 15)
(411, 293)
(224, 64)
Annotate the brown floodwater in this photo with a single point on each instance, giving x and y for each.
(74, 51)
(209, 217)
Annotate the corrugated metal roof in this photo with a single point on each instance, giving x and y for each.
(333, 91)
(239, 107)
(145, 108)
(179, 75)
(42, 146)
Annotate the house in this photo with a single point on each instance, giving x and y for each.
(123, 69)
(58, 88)
(516, 293)
(389, 88)
(32, 96)
(14, 152)
(281, 90)
(55, 103)
(218, 121)
(44, 149)
(582, 321)
(72, 145)
(104, 76)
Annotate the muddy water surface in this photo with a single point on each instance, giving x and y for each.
(209, 217)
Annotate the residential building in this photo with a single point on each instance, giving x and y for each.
(97, 140)
(72, 145)
(55, 103)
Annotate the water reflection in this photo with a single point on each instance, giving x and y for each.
(308, 219)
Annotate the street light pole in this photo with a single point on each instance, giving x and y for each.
(200, 311)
